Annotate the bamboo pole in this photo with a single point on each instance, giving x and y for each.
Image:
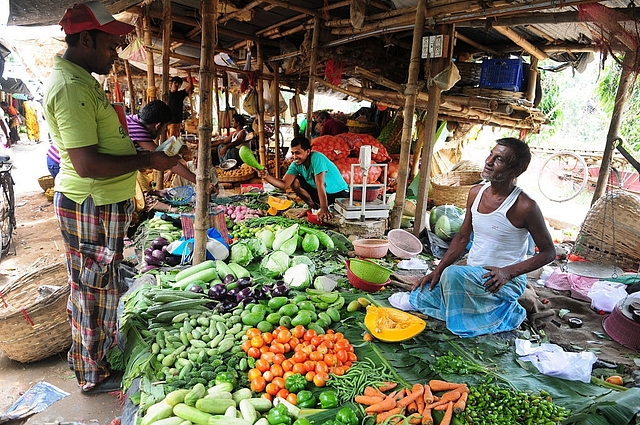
(431, 126)
(133, 104)
(533, 79)
(520, 41)
(166, 48)
(627, 79)
(276, 118)
(216, 93)
(475, 44)
(261, 140)
(148, 44)
(312, 76)
(411, 92)
(420, 127)
(205, 128)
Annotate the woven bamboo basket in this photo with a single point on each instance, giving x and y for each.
(609, 233)
(361, 127)
(34, 328)
(46, 182)
(453, 188)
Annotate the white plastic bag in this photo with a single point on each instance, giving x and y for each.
(551, 360)
(605, 295)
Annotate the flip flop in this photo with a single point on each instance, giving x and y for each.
(112, 382)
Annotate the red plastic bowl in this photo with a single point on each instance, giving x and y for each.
(313, 218)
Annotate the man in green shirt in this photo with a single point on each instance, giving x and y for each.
(95, 186)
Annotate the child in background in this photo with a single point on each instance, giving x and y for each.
(53, 161)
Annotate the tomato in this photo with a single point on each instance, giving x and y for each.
(262, 365)
(279, 358)
(367, 337)
(257, 342)
(268, 375)
(299, 357)
(352, 356)
(322, 368)
(316, 355)
(316, 340)
(253, 374)
(288, 374)
(287, 347)
(310, 365)
(283, 393)
(339, 370)
(264, 349)
(299, 368)
(268, 356)
(322, 349)
(293, 342)
(246, 345)
(279, 382)
(258, 384)
(277, 347)
(284, 336)
(310, 333)
(272, 389)
(330, 359)
(320, 379)
(292, 398)
(287, 365)
(254, 352)
(338, 335)
(253, 332)
(266, 396)
(342, 356)
(342, 344)
(267, 337)
(310, 375)
(298, 331)
(277, 370)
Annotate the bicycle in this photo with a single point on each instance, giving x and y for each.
(7, 206)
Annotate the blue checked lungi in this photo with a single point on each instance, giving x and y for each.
(461, 300)
(94, 242)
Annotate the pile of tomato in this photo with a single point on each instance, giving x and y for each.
(284, 352)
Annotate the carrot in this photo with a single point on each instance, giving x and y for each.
(399, 394)
(440, 407)
(413, 407)
(427, 419)
(372, 392)
(437, 385)
(415, 419)
(383, 416)
(387, 386)
(446, 397)
(463, 388)
(386, 404)
(368, 400)
(420, 400)
(428, 395)
(446, 420)
(460, 405)
(407, 400)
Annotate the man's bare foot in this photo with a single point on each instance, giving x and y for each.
(303, 214)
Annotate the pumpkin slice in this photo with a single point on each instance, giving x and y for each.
(279, 204)
(392, 325)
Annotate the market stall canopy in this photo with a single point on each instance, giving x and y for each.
(369, 42)
(14, 86)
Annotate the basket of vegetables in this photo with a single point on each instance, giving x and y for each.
(33, 313)
(179, 196)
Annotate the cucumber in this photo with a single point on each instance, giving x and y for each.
(192, 414)
(156, 412)
(239, 271)
(208, 264)
(206, 275)
(223, 269)
(215, 406)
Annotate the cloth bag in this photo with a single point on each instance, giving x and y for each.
(217, 248)
(250, 102)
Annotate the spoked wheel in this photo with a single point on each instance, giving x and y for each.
(563, 176)
(7, 218)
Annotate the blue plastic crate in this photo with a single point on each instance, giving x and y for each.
(502, 74)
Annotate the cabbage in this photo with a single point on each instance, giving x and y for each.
(274, 264)
(324, 283)
(267, 237)
(303, 259)
(257, 246)
(298, 277)
(241, 254)
(290, 245)
(310, 243)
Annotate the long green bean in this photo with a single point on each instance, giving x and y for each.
(360, 375)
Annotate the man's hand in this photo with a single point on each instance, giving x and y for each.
(496, 278)
(324, 214)
(433, 278)
(263, 174)
(223, 150)
(160, 161)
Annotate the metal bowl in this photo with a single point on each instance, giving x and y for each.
(228, 164)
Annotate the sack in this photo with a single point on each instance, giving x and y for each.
(250, 102)
(217, 248)
(269, 102)
(552, 360)
(295, 105)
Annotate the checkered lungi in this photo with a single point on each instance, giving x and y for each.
(94, 242)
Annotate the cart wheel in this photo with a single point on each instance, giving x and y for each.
(563, 176)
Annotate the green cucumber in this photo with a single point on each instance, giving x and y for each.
(208, 264)
(223, 269)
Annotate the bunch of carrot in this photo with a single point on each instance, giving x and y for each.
(414, 405)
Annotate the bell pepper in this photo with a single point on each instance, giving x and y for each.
(279, 415)
(302, 421)
(328, 399)
(306, 399)
(347, 416)
(295, 383)
(224, 377)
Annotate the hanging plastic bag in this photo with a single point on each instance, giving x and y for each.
(250, 102)
(605, 295)
(269, 102)
(295, 105)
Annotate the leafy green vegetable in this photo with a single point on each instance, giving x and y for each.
(298, 277)
(241, 254)
(450, 363)
(274, 264)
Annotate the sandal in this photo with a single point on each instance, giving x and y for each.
(112, 382)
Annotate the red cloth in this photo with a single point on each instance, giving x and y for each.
(332, 127)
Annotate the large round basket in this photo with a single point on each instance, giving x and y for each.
(46, 182)
(33, 315)
(453, 188)
(235, 179)
(609, 233)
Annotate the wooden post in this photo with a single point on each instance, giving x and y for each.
(133, 101)
(533, 80)
(627, 77)
(216, 94)
(260, 116)
(276, 117)
(410, 92)
(205, 128)
(431, 126)
(312, 76)
(148, 44)
(166, 49)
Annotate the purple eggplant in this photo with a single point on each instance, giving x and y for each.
(249, 300)
(233, 293)
(217, 292)
(266, 290)
(158, 243)
(279, 291)
(227, 305)
(147, 268)
(228, 279)
(158, 254)
(151, 260)
(244, 282)
(173, 260)
(197, 289)
(211, 305)
(244, 293)
(148, 251)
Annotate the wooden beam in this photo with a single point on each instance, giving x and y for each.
(520, 41)
(232, 15)
(286, 5)
(315, 38)
(336, 23)
(534, 18)
(166, 43)
(475, 44)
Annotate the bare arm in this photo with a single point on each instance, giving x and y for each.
(179, 169)
(324, 213)
(189, 87)
(88, 163)
(281, 184)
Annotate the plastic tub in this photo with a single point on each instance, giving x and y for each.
(371, 248)
(363, 284)
(368, 271)
(403, 244)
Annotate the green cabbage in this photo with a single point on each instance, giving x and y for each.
(241, 254)
(274, 264)
(303, 259)
(298, 277)
(290, 245)
(267, 236)
(310, 243)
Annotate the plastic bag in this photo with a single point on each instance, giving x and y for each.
(551, 360)
(250, 102)
(217, 248)
(605, 295)
(35, 400)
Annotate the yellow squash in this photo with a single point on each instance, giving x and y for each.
(392, 325)
(278, 204)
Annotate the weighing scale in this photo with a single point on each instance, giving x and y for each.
(353, 210)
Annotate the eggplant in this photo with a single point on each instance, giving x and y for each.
(211, 305)
(197, 289)
(279, 291)
(158, 243)
(217, 292)
(228, 279)
(165, 250)
(151, 260)
(159, 255)
(244, 282)
(266, 290)
(249, 300)
(147, 268)
(148, 251)
(279, 283)
(227, 305)
(173, 260)
(244, 293)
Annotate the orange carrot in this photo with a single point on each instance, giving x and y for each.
(446, 397)
(463, 388)
(400, 394)
(413, 407)
(437, 385)
(427, 419)
(420, 401)
(415, 419)
(386, 404)
(441, 407)
(372, 392)
(428, 395)
(368, 400)
(460, 405)
(387, 386)
(407, 400)
(381, 417)
(446, 420)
